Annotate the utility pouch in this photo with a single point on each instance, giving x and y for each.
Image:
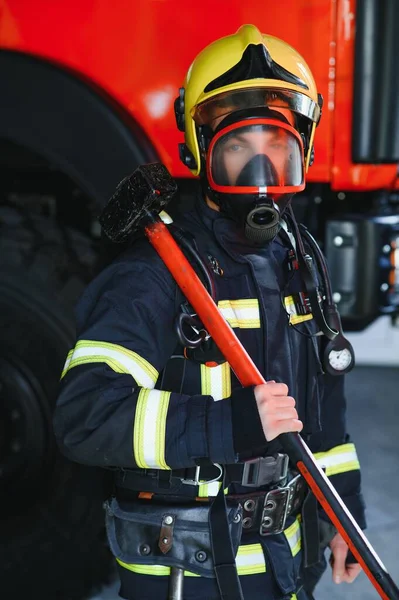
(148, 532)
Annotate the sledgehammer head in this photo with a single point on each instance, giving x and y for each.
(146, 191)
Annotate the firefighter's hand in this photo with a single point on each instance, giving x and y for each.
(340, 571)
(276, 409)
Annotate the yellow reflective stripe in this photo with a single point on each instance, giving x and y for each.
(206, 490)
(150, 429)
(340, 459)
(293, 535)
(165, 217)
(117, 357)
(216, 381)
(250, 561)
(241, 313)
(209, 489)
(151, 569)
(67, 363)
(294, 320)
(291, 310)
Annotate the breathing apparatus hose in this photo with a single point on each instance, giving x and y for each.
(305, 263)
(320, 262)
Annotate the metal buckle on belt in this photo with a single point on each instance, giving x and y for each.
(268, 469)
(277, 507)
(196, 480)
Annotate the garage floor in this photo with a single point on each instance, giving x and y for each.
(373, 418)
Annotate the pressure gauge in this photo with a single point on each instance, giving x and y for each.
(338, 356)
(340, 360)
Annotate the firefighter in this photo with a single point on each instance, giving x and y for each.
(146, 393)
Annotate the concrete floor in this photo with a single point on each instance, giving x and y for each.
(373, 421)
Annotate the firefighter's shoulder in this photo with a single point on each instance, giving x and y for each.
(136, 274)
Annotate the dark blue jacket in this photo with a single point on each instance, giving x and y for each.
(113, 410)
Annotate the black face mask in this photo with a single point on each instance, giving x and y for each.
(261, 218)
(267, 156)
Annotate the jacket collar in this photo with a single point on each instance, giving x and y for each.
(230, 236)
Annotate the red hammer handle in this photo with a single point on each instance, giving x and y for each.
(248, 375)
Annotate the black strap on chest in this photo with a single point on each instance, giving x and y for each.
(197, 346)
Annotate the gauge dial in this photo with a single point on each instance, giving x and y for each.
(340, 359)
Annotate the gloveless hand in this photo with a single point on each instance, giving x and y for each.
(276, 409)
(340, 571)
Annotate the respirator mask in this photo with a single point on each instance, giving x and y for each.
(254, 165)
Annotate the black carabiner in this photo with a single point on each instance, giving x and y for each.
(183, 319)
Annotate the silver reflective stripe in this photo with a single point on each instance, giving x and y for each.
(67, 363)
(150, 429)
(241, 313)
(250, 561)
(208, 489)
(290, 307)
(216, 381)
(293, 535)
(165, 217)
(118, 358)
(339, 459)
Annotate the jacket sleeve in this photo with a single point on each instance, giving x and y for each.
(109, 412)
(335, 451)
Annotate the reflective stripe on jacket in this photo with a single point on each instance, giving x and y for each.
(114, 412)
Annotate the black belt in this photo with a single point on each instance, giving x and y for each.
(267, 512)
(253, 473)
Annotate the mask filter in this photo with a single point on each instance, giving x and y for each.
(262, 220)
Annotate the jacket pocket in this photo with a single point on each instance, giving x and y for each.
(174, 535)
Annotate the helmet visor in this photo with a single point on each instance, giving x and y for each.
(285, 101)
(260, 155)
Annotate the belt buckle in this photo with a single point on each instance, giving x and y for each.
(275, 511)
(262, 471)
(196, 480)
(277, 506)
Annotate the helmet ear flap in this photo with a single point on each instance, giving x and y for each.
(179, 111)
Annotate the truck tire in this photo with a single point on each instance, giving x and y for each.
(52, 534)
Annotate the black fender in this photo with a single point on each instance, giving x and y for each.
(70, 122)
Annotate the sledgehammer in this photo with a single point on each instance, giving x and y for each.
(135, 206)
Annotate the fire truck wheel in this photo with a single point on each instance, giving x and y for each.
(52, 534)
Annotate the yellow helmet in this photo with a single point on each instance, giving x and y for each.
(244, 70)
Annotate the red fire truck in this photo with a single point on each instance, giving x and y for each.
(87, 93)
